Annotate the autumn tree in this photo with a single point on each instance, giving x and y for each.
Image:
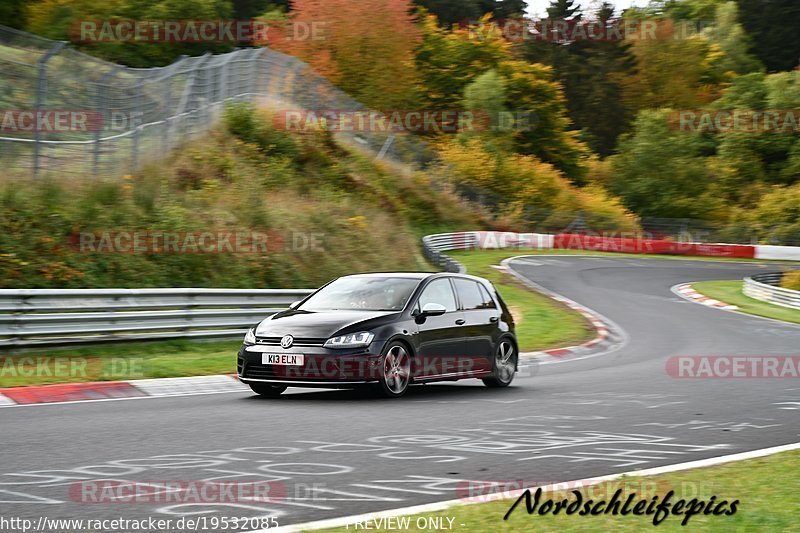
(459, 65)
(366, 48)
(673, 72)
(54, 19)
(661, 172)
(12, 13)
(772, 25)
(591, 72)
(449, 12)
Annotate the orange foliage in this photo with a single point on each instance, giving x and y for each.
(365, 47)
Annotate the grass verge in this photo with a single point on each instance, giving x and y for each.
(117, 362)
(763, 487)
(730, 292)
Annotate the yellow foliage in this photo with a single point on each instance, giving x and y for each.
(470, 164)
(520, 181)
(791, 280)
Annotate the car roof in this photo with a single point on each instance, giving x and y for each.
(413, 275)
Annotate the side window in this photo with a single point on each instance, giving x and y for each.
(438, 292)
(470, 294)
(488, 302)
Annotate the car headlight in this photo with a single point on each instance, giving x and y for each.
(250, 337)
(351, 340)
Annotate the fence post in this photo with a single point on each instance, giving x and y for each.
(165, 133)
(385, 148)
(261, 83)
(41, 89)
(168, 122)
(223, 78)
(208, 91)
(138, 128)
(101, 86)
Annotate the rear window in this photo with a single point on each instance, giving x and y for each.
(488, 302)
(470, 294)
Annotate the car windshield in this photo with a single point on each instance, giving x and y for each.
(368, 293)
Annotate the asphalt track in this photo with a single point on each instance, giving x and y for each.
(339, 453)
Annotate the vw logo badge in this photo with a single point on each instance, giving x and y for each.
(287, 341)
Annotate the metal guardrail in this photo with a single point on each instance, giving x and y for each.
(433, 247)
(42, 317)
(766, 287)
(32, 317)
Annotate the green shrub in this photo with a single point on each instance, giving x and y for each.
(251, 126)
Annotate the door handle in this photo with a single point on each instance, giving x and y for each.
(461, 321)
(494, 319)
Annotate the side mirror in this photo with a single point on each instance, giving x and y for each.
(432, 309)
(294, 305)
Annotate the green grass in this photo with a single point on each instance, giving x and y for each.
(541, 322)
(112, 362)
(730, 292)
(766, 489)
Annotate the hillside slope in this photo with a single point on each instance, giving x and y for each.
(323, 210)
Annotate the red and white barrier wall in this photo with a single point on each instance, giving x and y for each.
(629, 245)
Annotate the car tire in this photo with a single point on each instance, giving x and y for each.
(266, 390)
(395, 370)
(504, 364)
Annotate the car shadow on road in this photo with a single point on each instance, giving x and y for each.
(432, 392)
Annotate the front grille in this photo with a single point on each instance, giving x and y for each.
(257, 371)
(298, 341)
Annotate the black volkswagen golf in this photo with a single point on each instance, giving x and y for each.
(392, 329)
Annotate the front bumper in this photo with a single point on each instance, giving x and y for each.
(320, 366)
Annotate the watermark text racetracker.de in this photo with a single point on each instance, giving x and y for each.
(194, 31)
(114, 491)
(733, 367)
(201, 242)
(480, 491)
(70, 367)
(54, 121)
(557, 30)
(403, 120)
(779, 121)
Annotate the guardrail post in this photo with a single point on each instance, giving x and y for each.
(41, 90)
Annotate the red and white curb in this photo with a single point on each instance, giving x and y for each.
(610, 337)
(119, 390)
(687, 292)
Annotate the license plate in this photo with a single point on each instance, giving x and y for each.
(287, 359)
